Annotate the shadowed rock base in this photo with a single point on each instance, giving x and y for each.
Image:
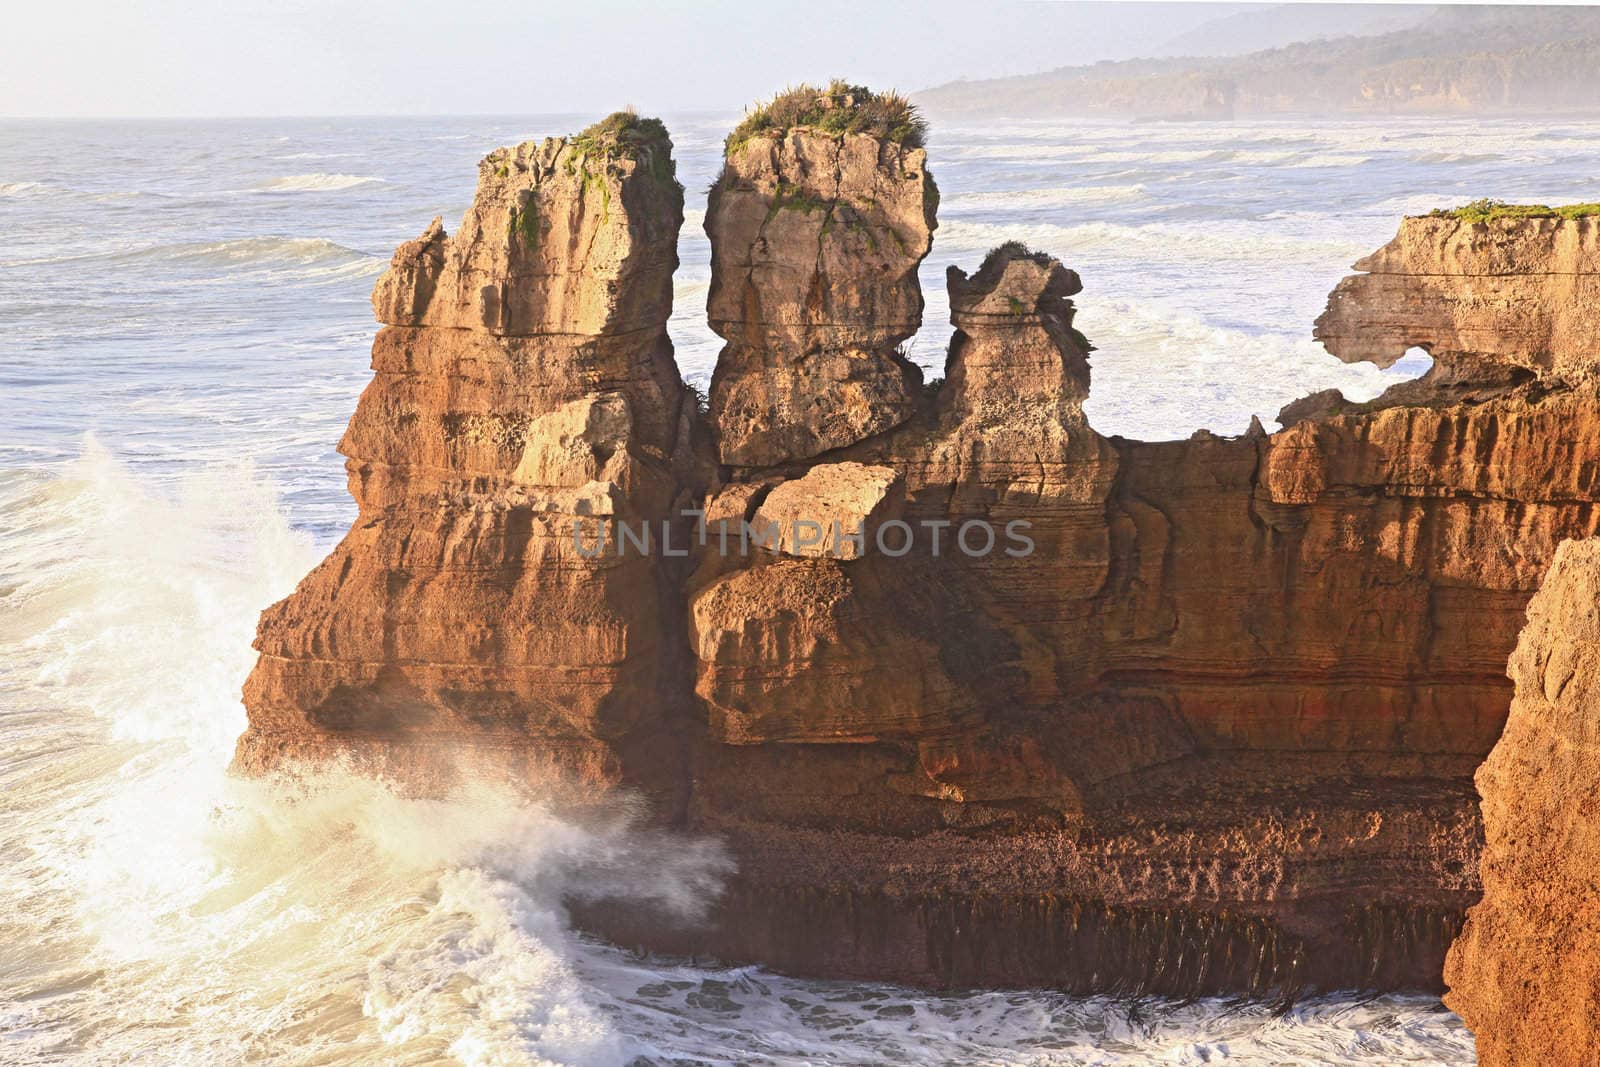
(961, 941)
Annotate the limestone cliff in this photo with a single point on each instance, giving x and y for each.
(1506, 298)
(816, 233)
(523, 378)
(1526, 970)
(976, 694)
(1230, 702)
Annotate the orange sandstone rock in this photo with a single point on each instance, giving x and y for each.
(1503, 298)
(524, 383)
(1201, 716)
(1525, 972)
(815, 242)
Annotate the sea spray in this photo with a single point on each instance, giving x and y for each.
(188, 914)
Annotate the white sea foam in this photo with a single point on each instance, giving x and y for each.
(1179, 361)
(1332, 159)
(317, 183)
(22, 189)
(1205, 240)
(208, 914)
(1021, 151)
(1042, 199)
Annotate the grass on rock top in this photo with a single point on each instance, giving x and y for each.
(623, 131)
(838, 109)
(1489, 210)
(625, 134)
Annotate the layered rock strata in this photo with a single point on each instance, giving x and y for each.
(1503, 299)
(1525, 973)
(1176, 716)
(523, 380)
(815, 242)
(1216, 730)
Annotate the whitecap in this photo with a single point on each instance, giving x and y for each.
(1331, 159)
(26, 189)
(1030, 199)
(317, 183)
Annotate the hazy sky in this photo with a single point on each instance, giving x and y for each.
(340, 57)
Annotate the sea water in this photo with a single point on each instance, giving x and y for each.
(184, 331)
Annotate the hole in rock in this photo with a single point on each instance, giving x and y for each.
(1414, 364)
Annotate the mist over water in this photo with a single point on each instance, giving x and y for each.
(184, 324)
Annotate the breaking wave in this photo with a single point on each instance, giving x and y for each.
(317, 183)
(183, 915)
(258, 251)
(1043, 199)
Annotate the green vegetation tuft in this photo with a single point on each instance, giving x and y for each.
(838, 109)
(525, 224)
(790, 197)
(994, 264)
(623, 134)
(1488, 210)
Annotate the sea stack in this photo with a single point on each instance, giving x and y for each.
(522, 381)
(822, 213)
(1174, 716)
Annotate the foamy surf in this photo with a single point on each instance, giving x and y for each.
(316, 183)
(213, 919)
(166, 911)
(1042, 199)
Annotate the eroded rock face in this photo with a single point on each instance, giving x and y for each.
(1193, 715)
(1526, 970)
(1506, 298)
(836, 510)
(565, 236)
(523, 381)
(1231, 700)
(815, 242)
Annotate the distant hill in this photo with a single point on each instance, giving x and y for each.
(1454, 60)
(1264, 26)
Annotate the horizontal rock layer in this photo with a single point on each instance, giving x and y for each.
(815, 242)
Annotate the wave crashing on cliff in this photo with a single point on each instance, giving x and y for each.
(168, 910)
(171, 910)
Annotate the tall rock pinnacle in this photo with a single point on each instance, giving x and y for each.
(823, 211)
(524, 378)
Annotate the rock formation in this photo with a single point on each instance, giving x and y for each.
(523, 379)
(1097, 713)
(1525, 972)
(1510, 298)
(815, 240)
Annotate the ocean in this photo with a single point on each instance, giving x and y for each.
(184, 330)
